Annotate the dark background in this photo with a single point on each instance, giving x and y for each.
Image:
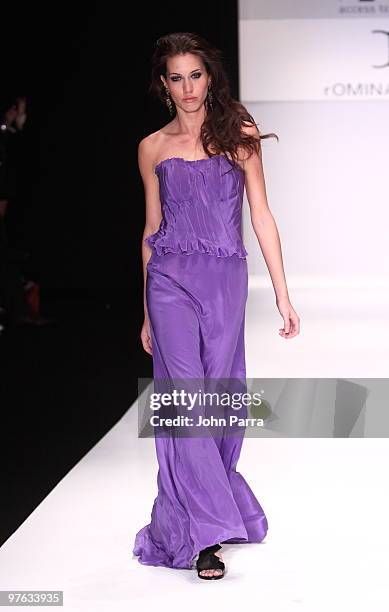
(85, 69)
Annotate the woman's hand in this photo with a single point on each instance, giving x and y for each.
(146, 336)
(291, 319)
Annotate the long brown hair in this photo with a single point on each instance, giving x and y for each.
(222, 126)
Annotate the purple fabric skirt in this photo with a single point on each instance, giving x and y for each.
(196, 307)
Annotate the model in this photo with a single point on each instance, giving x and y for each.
(194, 171)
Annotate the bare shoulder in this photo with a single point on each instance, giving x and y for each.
(146, 151)
(250, 129)
(150, 146)
(250, 160)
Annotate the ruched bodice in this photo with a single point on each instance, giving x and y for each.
(201, 204)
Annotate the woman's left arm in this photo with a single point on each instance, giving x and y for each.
(265, 229)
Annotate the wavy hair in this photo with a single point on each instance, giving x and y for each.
(222, 126)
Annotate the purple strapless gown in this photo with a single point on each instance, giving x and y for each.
(196, 308)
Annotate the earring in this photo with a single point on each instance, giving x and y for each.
(210, 98)
(169, 102)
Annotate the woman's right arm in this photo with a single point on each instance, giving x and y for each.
(153, 212)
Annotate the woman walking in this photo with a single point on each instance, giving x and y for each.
(194, 171)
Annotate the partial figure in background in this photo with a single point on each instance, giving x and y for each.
(20, 294)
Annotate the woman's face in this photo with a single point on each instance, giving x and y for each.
(187, 81)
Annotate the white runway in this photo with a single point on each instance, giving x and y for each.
(326, 500)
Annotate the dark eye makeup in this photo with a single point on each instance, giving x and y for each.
(196, 75)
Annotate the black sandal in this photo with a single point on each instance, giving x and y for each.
(208, 561)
